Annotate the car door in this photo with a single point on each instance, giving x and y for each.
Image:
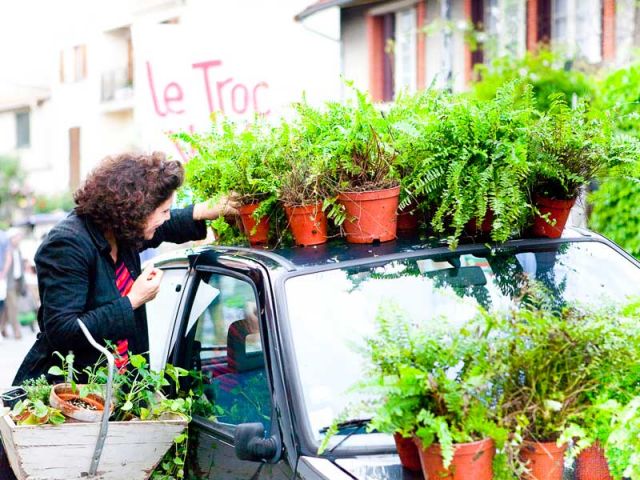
(222, 338)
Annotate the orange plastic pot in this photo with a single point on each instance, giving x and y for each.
(470, 460)
(261, 233)
(558, 213)
(545, 461)
(407, 221)
(308, 223)
(371, 216)
(591, 464)
(472, 227)
(408, 452)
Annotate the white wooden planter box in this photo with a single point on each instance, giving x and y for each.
(62, 452)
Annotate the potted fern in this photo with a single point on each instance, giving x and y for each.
(432, 386)
(302, 184)
(567, 150)
(229, 160)
(484, 166)
(358, 164)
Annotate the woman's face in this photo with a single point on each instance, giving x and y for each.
(157, 218)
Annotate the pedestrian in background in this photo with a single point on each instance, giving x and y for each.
(5, 264)
(14, 286)
(88, 266)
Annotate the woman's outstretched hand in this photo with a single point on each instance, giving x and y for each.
(227, 206)
(146, 287)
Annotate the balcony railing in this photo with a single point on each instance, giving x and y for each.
(116, 85)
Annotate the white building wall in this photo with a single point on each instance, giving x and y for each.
(355, 59)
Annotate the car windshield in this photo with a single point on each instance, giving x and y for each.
(332, 311)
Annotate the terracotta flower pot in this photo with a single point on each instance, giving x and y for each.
(472, 227)
(408, 452)
(261, 233)
(371, 216)
(591, 464)
(545, 461)
(83, 409)
(558, 211)
(308, 223)
(408, 220)
(470, 460)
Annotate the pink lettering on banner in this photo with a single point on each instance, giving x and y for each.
(205, 70)
(186, 156)
(152, 89)
(170, 98)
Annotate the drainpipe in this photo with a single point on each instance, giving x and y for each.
(447, 52)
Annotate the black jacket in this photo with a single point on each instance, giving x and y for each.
(76, 279)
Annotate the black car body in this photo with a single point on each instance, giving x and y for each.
(275, 334)
(281, 377)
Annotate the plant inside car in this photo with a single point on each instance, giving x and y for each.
(359, 166)
(430, 386)
(567, 150)
(231, 160)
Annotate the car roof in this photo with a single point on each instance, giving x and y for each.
(339, 252)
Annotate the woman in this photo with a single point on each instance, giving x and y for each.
(88, 267)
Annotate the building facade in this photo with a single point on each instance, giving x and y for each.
(394, 45)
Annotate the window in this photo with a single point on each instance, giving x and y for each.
(23, 130)
(80, 62)
(405, 50)
(225, 345)
(504, 22)
(577, 28)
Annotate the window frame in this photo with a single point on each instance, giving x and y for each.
(23, 128)
(220, 430)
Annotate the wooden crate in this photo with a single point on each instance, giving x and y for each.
(62, 452)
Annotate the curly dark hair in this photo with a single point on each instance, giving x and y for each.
(123, 190)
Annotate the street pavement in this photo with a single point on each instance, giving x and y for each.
(12, 352)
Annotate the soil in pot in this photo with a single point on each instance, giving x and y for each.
(69, 402)
(260, 235)
(308, 223)
(557, 212)
(470, 460)
(408, 452)
(545, 461)
(370, 216)
(592, 464)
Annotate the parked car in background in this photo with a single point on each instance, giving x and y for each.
(275, 334)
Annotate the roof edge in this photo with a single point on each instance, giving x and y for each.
(323, 5)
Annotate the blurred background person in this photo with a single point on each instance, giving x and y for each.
(15, 285)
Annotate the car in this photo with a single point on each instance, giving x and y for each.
(275, 335)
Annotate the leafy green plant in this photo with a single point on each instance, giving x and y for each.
(37, 389)
(428, 382)
(230, 160)
(568, 149)
(616, 212)
(487, 169)
(36, 412)
(547, 72)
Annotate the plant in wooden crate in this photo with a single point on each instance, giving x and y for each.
(432, 386)
(359, 165)
(549, 363)
(487, 171)
(567, 150)
(230, 160)
(423, 152)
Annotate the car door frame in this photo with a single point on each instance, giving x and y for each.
(257, 275)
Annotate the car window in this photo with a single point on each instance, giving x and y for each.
(432, 292)
(225, 345)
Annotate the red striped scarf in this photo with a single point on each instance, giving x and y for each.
(123, 279)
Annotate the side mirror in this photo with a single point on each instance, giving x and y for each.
(251, 444)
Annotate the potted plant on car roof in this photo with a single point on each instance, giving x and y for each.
(359, 165)
(423, 152)
(486, 169)
(302, 183)
(431, 386)
(230, 160)
(567, 150)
